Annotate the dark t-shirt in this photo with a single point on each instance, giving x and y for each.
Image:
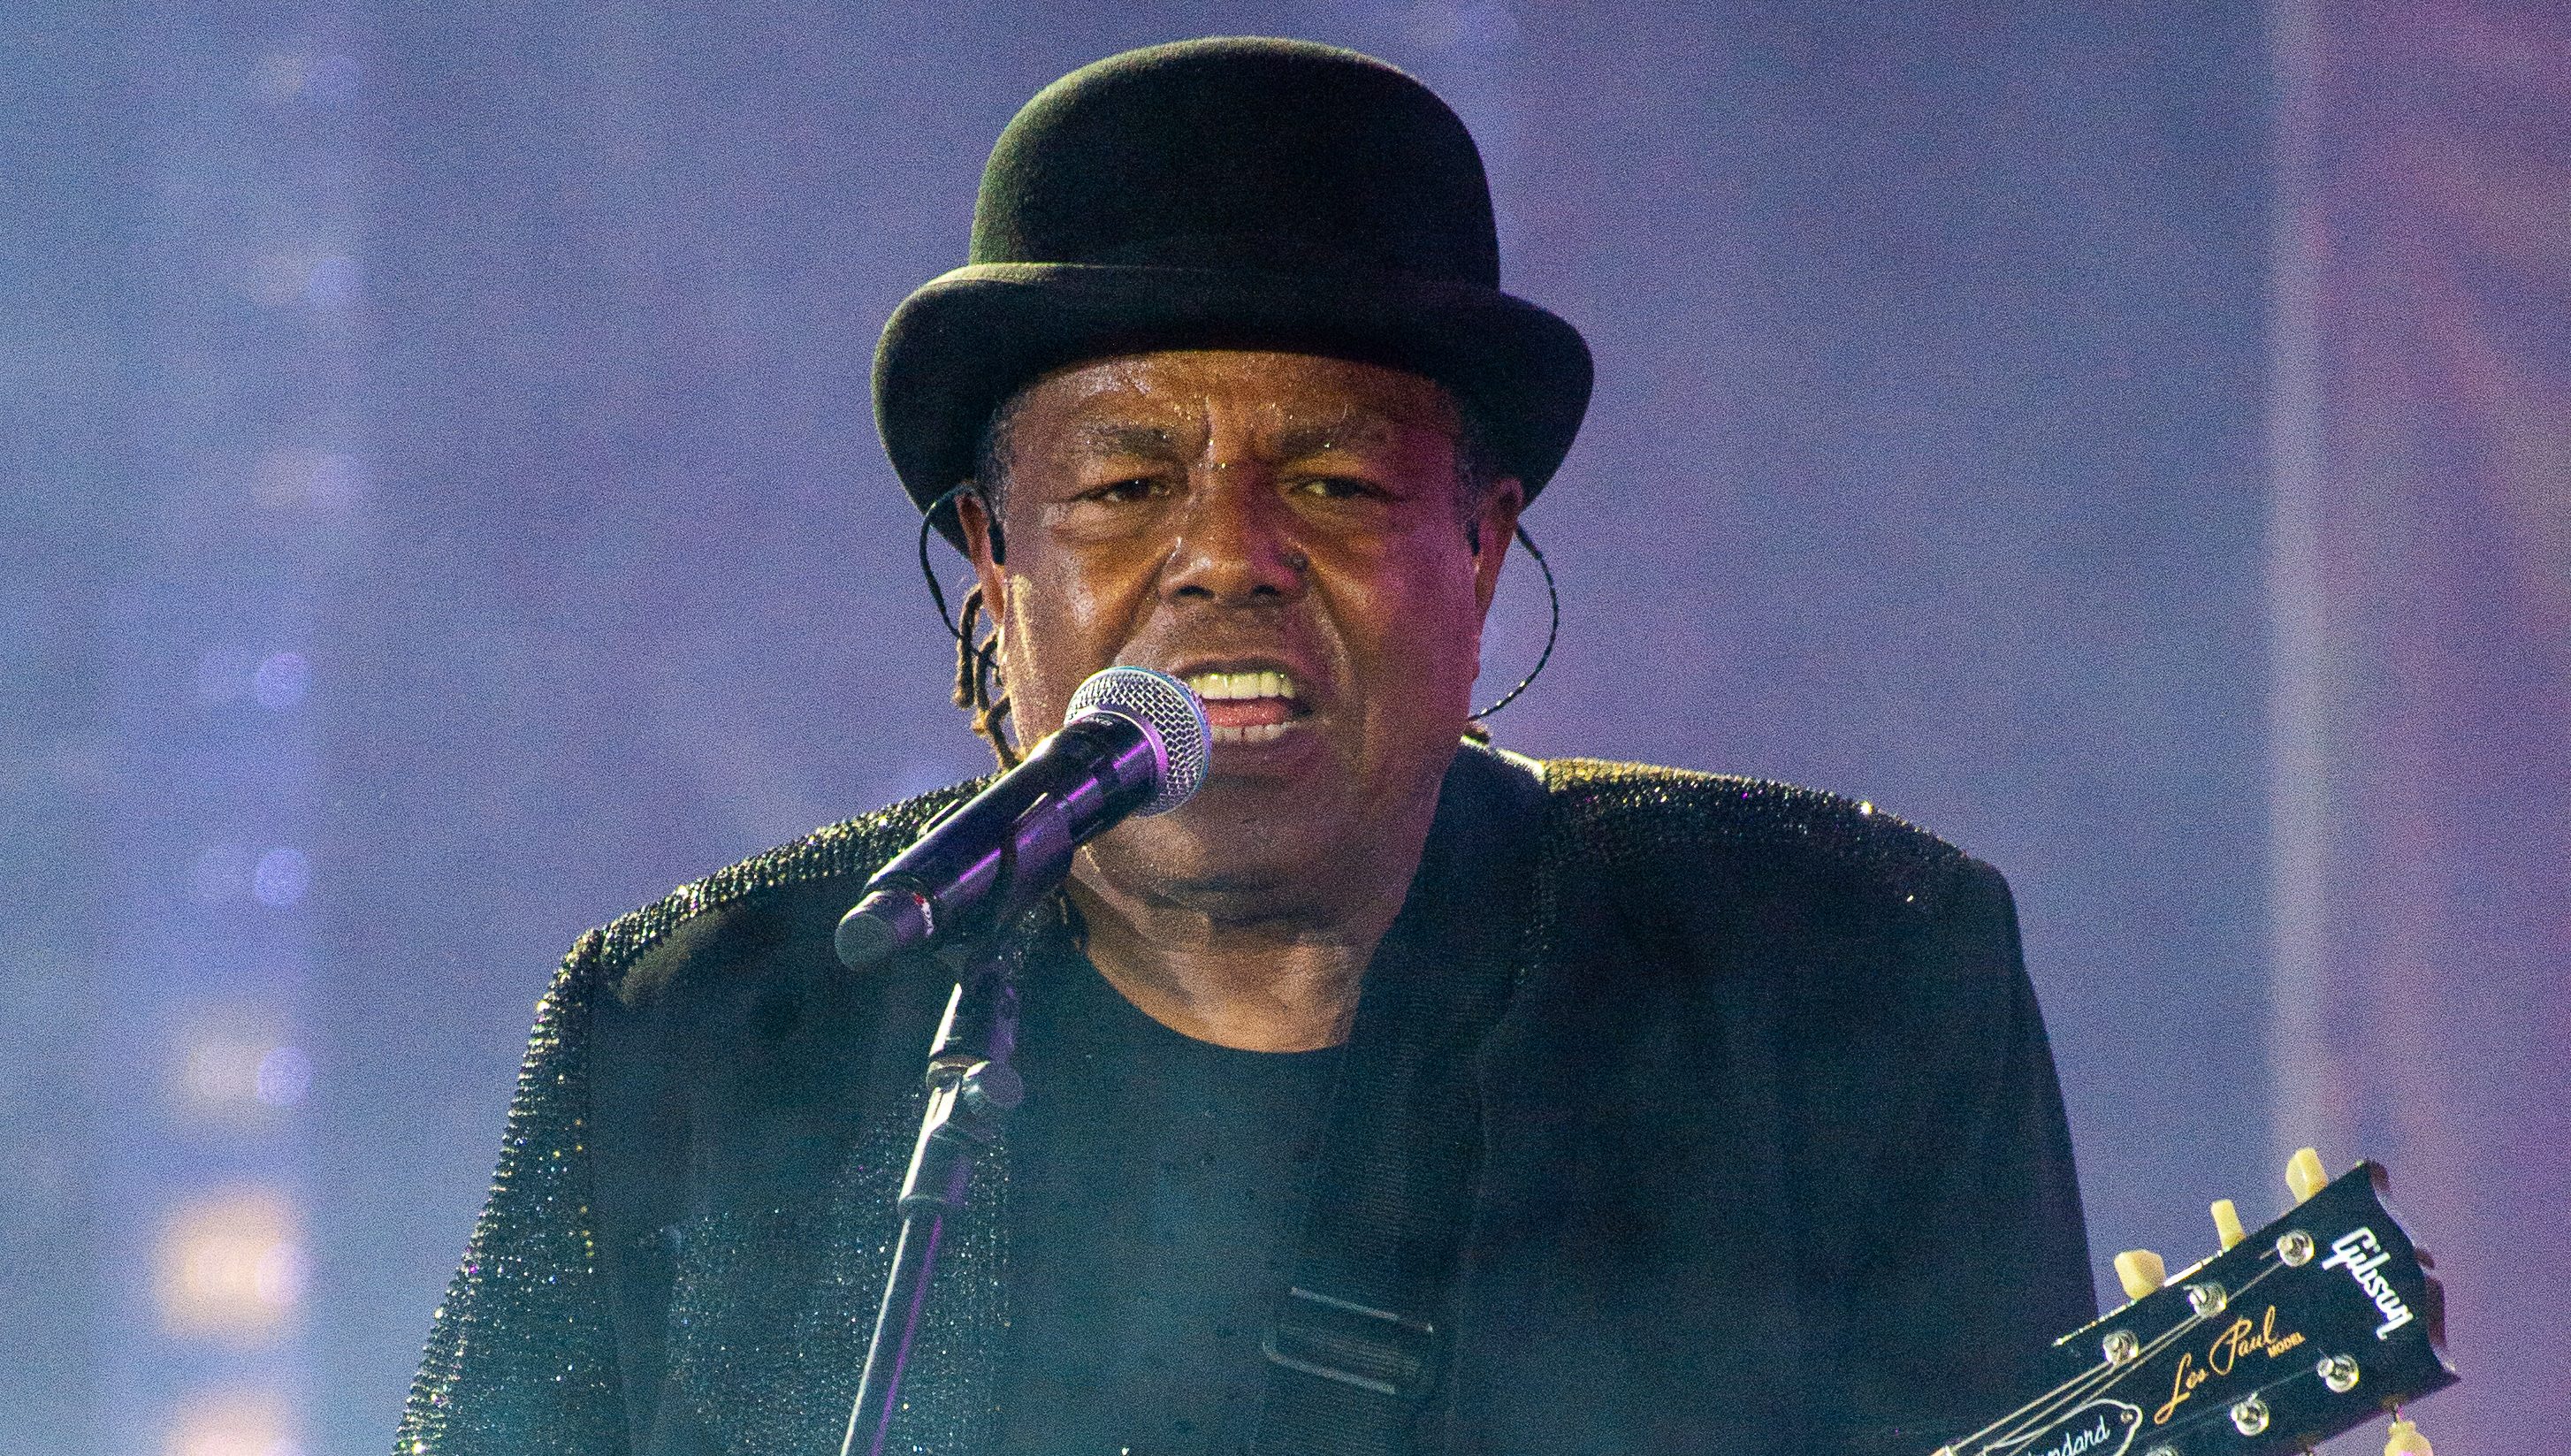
(1155, 1189)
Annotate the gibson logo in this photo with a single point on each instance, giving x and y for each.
(2357, 1252)
(2107, 1431)
(2237, 1342)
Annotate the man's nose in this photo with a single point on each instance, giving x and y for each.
(1237, 542)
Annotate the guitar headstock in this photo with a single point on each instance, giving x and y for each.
(2311, 1325)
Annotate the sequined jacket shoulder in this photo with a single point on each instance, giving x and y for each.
(1622, 812)
(529, 1350)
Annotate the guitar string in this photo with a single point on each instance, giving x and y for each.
(2224, 1412)
(2088, 1384)
(2080, 1388)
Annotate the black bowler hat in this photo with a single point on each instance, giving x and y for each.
(1228, 193)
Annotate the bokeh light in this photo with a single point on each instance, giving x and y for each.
(219, 1073)
(281, 877)
(281, 681)
(333, 78)
(233, 1423)
(284, 1076)
(240, 1076)
(230, 1267)
(306, 478)
(332, 282)
(284, 76)
(317, 277)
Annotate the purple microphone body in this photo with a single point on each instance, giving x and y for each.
(1133, 742)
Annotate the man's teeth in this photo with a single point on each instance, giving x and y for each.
(1218, 687)
(1243, 687)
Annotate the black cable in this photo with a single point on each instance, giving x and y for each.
(936, 590)
(1554, 599)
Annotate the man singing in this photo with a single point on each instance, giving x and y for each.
(1396, 1095)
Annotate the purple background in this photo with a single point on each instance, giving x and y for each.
(443, 511)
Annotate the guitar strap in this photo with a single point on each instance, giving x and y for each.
(1360, 1336)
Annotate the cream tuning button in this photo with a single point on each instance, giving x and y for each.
(2227, 1222)
(2305, 1174)
(2140, 1271)
(2404, 1440)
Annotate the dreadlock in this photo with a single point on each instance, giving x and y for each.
(975, 664)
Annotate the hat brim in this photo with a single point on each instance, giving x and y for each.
(961, 344)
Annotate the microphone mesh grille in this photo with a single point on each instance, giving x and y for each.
(1165, 705)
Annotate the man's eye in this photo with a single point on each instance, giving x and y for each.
(1336, 487)
(1120, 492)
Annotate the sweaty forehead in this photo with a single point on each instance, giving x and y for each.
(1185, 403)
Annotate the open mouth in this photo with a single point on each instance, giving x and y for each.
(1256, 705)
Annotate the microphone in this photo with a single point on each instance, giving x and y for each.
(1133, 742)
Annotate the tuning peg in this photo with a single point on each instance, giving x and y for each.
(2305, 1174)
(2140, 1271)
(2227, 1222)
(2404, 1440)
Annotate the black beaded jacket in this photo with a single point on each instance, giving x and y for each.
(1772, 1156)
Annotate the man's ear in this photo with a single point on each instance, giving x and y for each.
(990, 539)
(984, 544)
(1493, 527)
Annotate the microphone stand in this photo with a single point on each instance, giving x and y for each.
(1134, 741)
(970, 1087)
